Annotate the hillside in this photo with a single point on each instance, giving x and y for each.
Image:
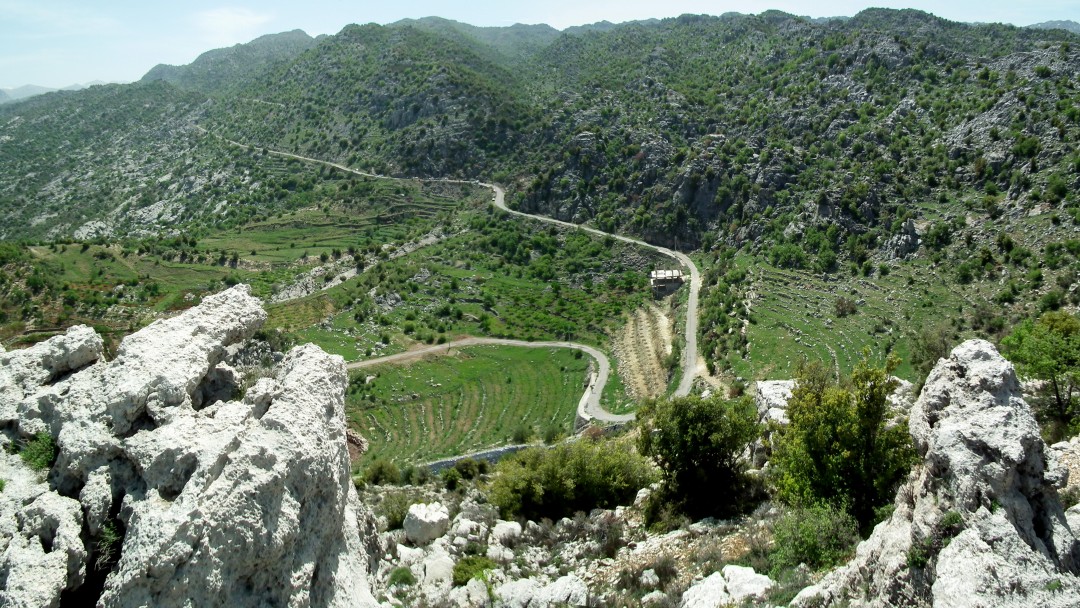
(1067, 25)
(891, 159)
(221, 68)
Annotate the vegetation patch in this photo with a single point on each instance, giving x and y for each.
(474, 399)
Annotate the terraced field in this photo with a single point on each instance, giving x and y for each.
(641, 347)
(477, 398)
(794, 317)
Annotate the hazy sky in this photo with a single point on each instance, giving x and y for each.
(56, 43)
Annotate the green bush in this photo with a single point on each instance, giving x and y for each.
(40, 452)
(698, 444)
(395, 506)
(579, 476)
(1048, 349)
(2, 484)
(819, 536)
(383, 472)
(470, 567)
(402, 576)
(837, 448)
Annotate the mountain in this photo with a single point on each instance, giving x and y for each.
(25, 92)
(219, 68)
(516, 42)
(747, 129)
(1067, 25)
(30, 90)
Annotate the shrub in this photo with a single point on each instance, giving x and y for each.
(2, 484)
(402, 576)
(470, 567)
(108, 545)
(382, 472)
(557, 482)
(820, 536)
(40, 452)
(1048, 349)
(698, 443)
(808, 468)
(394, 507)
(845, 306)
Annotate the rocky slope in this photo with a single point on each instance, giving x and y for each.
(979, 522)
(165, 490)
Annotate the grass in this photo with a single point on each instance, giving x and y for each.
(794, 318)
(471, 400)
(39, 452)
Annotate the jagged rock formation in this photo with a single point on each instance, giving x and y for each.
(979, 522)
(164, 492)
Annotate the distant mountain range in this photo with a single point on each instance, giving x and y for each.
(231, 66)
(1069, 26)
(33, 90)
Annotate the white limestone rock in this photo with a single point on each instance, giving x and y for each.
(507, 533)
(517, 594)
(711, 592)
(771, 397)
(732, 585)
(426, 522)
(744, 583)
(436, 573)
(983, 461)
(568, 590)
(222, 502)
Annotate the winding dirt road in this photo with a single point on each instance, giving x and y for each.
(589, 405)
(590, 401)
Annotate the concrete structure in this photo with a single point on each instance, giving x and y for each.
(664, 282)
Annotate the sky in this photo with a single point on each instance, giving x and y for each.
(56, 43)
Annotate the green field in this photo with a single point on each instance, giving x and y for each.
(476, 398)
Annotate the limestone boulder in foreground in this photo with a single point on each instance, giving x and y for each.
(212, 501)
(979, 522)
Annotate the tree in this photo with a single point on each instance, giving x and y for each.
(698, 444)
(1048, 349)
(837, 448)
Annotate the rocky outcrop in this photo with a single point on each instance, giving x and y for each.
(734, 585)
(979, 522)
(164, 492)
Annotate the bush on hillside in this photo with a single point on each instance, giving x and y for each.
(698, 444)
(560, 481)
(837, 448)
(1048, 349)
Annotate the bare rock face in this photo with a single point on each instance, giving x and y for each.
(209, 501)
(979, 522)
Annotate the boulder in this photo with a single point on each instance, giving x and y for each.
(215, 502)
(568, 590)
(732, 585)
(507, 533)
(426, 522)
(711, 592)
(744, 583)
(979, 522)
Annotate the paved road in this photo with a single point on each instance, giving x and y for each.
(690, 352)
(588, 406)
